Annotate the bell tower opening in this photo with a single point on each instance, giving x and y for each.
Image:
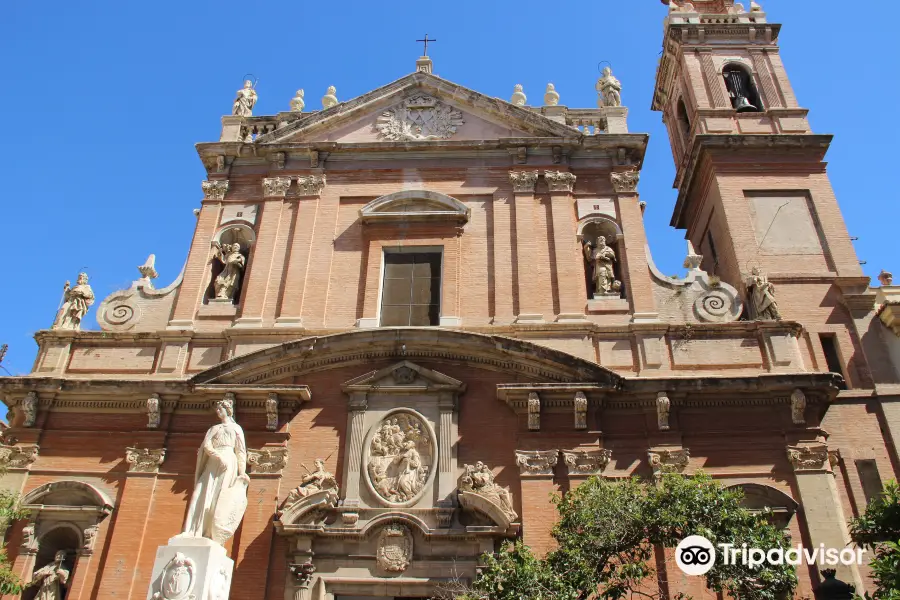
(741, 89)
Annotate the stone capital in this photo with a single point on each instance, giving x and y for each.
(668, 461)
(560, 181)
(536, 463)
(809, 458)
(144, 460)
(523, 182)
(267, 461)
(625, 182)
(310, 185)
(302, 574)
(215, 190)
(585, 463)
(18, 457)
(275, 187)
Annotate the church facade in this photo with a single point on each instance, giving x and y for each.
(430, 309)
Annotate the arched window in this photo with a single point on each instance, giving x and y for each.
(741, 89)
(684, 121)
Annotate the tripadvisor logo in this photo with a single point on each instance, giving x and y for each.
(696, 555)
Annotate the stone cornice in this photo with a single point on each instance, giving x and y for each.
(812, 146)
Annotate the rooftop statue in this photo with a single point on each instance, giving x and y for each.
(76, 302)
(610, 89)
(245, 101)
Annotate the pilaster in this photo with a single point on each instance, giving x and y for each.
(633, 248)
(353, 462)
(190, 295)
(304, 208)
(536, 469)
(566, 250)
(259, 276)
(526, 248)
(821, 504)
(502, 277)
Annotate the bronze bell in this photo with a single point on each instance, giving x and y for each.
(743, 105)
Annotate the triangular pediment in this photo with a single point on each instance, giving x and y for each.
(419, 108)
(404, 376)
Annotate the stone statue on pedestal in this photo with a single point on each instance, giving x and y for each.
(245, 101)
(220, 481)
(226, 282)
(76, 302)
(609, 88)
(51, 578)
(762, 297)
(601, 258)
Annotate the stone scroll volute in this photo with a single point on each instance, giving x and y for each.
(400, 458)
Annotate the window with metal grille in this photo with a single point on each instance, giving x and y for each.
(411, 294)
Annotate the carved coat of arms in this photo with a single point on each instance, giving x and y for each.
(395, 548)
(417, 118)
(178, 579)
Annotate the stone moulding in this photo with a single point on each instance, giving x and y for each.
(492, 510)
(412, 206)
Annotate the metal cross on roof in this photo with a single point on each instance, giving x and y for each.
(426, 40)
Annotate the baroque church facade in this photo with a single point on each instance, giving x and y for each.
(430, 309)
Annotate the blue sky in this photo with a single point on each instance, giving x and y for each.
(105, 101)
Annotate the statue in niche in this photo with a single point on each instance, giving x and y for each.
(601, 259)
(76, 302)
(762, 297)
(227, 281)
(51, 578)
(610, 89)
(400, 456)
(220, 481)
(245, 101)
(312, 482)
(479, 479)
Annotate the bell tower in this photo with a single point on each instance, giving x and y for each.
(752, 185)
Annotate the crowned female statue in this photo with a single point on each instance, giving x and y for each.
(220, 481)
(76, 302)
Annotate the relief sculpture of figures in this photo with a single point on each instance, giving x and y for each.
(51, 578)
(479, 479)
(220, 482)
(610, 89)
(76, 302)
(315, 481)
(227, 281)
(400, 457)
(762, 296)
(245, 101)
(601, 258)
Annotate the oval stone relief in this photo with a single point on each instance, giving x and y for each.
(400, 459)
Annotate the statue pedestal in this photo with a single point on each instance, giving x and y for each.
(191, 567)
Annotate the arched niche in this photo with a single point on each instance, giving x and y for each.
(741, 87)
(763, 498)
(233, 233)
(589, 230)
(684, 121)
(64, 515)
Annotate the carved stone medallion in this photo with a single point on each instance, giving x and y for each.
(395, 548)
(178, 579)
(418, 118)
(400, 458)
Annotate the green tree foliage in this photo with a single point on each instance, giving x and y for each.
(606, 535)
(879, 531)
(10, 511)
